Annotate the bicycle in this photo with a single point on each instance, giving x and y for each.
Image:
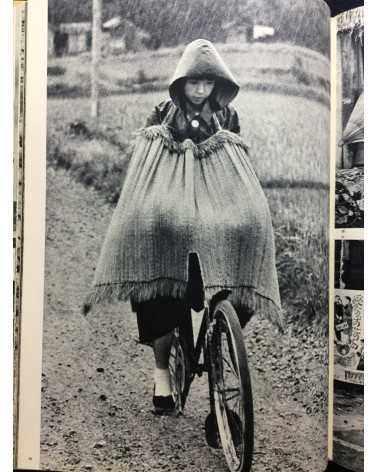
(220, 343)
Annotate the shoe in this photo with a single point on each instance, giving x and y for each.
(212, 432)
(236, 427)
(163, 405)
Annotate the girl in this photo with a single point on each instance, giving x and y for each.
(190, 188)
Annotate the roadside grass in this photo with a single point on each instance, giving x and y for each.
(95, 160)
(300, 219)
(289, 147)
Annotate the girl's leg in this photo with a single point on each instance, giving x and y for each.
(162, 349)
(157, 319)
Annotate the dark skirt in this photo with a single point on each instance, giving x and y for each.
(158, 317)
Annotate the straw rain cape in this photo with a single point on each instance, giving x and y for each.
(180, 198)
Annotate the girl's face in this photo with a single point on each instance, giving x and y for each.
(198, 90)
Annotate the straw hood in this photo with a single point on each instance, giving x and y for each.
(200, 58)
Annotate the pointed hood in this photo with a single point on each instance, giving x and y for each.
(200, 58)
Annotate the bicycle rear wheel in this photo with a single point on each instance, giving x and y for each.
(231, 388)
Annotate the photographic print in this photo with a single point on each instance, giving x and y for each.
(350, 114)
(348, 428)
(349, 336)
(187, 183)
(349, 264)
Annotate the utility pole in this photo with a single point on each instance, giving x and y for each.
(96, 56)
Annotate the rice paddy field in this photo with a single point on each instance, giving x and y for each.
(288, 135)
(288, 139)
(275, 66)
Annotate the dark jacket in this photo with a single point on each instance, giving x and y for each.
(200, 59)
(180, 126)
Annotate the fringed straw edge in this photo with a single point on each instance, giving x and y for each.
(245, 298)
(201, 150)
(249, 300)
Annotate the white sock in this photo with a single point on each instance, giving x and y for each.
(162, 382)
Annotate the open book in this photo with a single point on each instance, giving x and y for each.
(96, 71)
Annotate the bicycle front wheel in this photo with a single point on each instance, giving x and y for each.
(231, 388)
(179, 369)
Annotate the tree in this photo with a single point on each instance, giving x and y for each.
(171, 22)
(96, 56)
(68, 11)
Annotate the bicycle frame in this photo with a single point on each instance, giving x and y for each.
(220, 340)
(195, 349)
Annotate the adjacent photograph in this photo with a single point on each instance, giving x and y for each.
(348, 421)
(348, 405)
(349, 209)
(187, 205)
(349, 336)
(349, 264)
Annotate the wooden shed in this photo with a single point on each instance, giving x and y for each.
(350, 71)
(241, 32)
(72, 38)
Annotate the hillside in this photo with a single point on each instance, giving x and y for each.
(275, 67)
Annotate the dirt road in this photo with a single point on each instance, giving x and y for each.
(97, 380)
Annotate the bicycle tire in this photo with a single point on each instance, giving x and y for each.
(179, 368)
(236, 428)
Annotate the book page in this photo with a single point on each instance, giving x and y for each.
(28, 324)
(260, 181)
(348, 242)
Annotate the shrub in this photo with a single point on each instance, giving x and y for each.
(93, 165)
(55, 70)
(303, 274)
(64, 90)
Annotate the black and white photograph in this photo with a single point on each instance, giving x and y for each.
(348, 398)
(349, 208)
(349, 264)
(186, 263)
(348, 424)
(349, 336)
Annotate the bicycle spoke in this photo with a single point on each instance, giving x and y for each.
(230, 366)
(228, 433)
(228, 399)
(223, 391)
(232, 389)
(239, 431)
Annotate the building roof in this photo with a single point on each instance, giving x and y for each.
(112, 23)
(75, 28)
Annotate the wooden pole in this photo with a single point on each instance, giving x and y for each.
(96, 56)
